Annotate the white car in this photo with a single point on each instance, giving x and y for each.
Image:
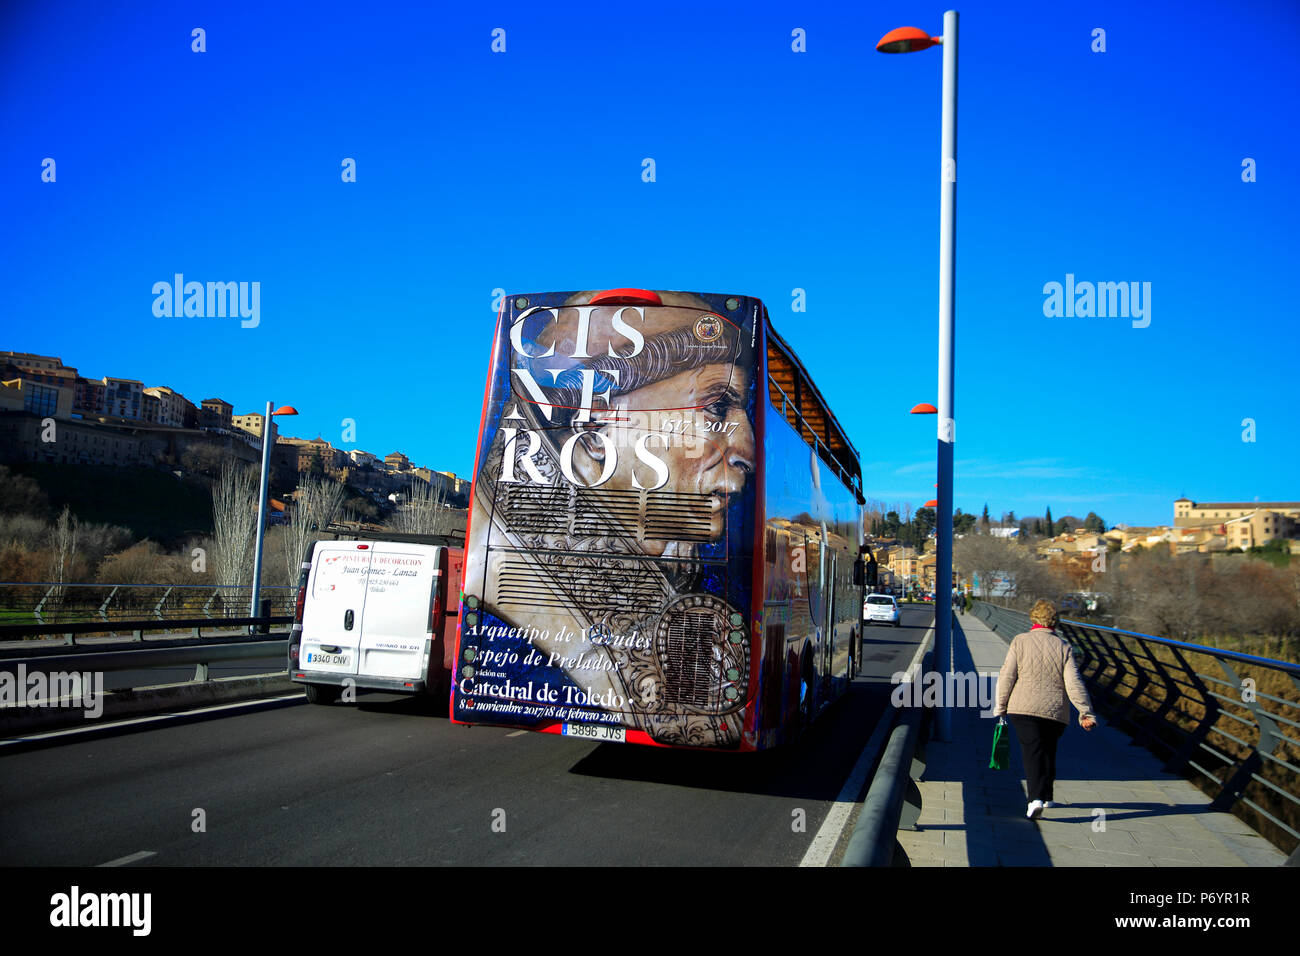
(881, 609)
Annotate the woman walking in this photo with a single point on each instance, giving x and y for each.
(1038, 682)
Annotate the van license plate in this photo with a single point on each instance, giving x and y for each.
(331, 660)
(598, 732)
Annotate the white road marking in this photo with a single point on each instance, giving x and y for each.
(124, 860)
(914, 668)
(100, 724)
(828, 834)
(517, 733)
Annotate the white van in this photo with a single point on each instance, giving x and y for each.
(375, 615)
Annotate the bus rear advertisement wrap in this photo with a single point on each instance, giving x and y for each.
(609, 577)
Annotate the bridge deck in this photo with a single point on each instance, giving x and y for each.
(973, 816)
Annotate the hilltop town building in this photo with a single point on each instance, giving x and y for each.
(252, 424)
(120, 421)
(215, 413)
(1243, 524)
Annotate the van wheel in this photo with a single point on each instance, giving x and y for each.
(320, 694)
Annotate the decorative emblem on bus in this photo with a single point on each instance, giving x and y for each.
(708, 328)
(697, 655)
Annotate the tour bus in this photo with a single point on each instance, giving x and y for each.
(665, 527)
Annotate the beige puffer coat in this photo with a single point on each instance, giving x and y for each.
(1037, 675)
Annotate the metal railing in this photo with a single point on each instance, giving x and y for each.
(153, 692)
(68, 631)
(893, 801)
(198, 655)
(48, 602)
(1232, 719)
(823, 450)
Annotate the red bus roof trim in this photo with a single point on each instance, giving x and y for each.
(626, 297)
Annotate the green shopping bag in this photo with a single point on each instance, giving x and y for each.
(1001, 756)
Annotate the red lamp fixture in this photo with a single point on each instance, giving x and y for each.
(906, 40)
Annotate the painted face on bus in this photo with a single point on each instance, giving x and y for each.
(688, 434)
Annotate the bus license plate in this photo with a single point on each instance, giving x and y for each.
(598, 732)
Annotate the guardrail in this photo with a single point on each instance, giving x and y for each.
(200, 655)
(49, 602)
(21, 718)
(1222, 715)
(137, 629)
(893, 801)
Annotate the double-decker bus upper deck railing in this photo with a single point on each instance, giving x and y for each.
(788, 406)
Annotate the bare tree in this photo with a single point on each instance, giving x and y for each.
(1188, 597)
(203, 457)
(26, 530)
(66, 531)
(423, 512)
(141, 563)
(1155, 596)
(64, 552)
(234, 523)
(20, 494)
(873, 513)
(986, 555)
(316, 504)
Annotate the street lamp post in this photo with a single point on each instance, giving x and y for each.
(908, 40)
(261, 501)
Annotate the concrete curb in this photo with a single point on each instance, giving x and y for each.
(874, 839)
(144, 701)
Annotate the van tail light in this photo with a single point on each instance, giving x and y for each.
(298, 604)
(435, 604)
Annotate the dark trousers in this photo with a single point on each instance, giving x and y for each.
(1038, 738)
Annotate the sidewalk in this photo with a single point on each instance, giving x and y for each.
(1120, 808)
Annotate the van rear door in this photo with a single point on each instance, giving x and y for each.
(334, 607)
(396, 640)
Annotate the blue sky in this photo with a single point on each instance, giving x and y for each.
(775, 171)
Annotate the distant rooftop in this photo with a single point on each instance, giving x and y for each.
(1264, 505)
